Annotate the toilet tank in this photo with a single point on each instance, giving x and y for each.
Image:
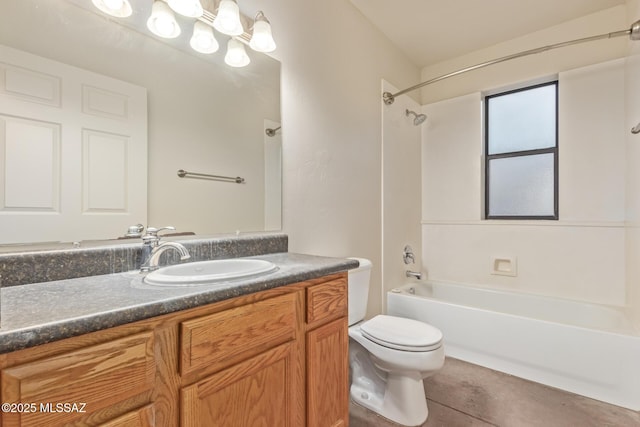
(359, 290)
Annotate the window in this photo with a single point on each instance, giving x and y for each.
(521, 146)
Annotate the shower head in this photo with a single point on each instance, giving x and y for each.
(418, 118)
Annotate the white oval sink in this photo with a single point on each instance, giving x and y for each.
(205, 272)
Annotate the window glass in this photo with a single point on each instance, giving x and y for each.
(521, 149)
(522, 186)
(522, 120)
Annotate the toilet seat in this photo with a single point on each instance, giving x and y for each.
(401, 334)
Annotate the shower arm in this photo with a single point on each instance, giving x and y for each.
(272, 132)
(633, 33)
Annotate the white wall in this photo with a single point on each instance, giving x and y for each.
(633, 168)
(332, 62)
(551, 62)
(581, 256)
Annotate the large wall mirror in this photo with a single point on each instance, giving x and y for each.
(202, 116)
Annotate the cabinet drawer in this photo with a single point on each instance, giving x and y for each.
(93, 378)
(221, 339)
(327, 300)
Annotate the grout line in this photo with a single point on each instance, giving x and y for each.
(462, 412)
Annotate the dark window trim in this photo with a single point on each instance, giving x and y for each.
(549, 150)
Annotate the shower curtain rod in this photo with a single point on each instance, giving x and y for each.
(633, 33)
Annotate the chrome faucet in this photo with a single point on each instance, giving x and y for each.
(414, 274)
(152, 248)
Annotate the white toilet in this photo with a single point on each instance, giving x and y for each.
(389, 357)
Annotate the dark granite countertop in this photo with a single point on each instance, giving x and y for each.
(39, 313)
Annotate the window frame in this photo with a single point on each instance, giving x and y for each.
(550, 150)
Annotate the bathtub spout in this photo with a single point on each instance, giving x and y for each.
(415, 274)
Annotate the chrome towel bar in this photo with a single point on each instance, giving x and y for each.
(184, 174)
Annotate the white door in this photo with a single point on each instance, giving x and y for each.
(73, 152)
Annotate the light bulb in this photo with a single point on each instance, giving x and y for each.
(203, 40)
(261, 39)
(236, 55)
(162, 22)
(227, 21)
(113, 4)
(117, 8)
(189, 8)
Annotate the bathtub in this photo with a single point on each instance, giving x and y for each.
(583, 348)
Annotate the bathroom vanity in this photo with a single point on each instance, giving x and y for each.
(269, 351)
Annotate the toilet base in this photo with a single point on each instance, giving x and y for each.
(402, 400)
(399, 397)
(390, 382)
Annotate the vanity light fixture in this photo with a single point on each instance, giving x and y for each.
(117, 8)
(236, 55)
(261, 39)
(203, 40)
(162, 21)
(188, 8)
(227, 20)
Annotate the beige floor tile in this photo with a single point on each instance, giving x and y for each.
(442, 416)
(439, 416)
(507, 401)
(467, 395)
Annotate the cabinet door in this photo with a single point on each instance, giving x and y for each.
(261, 392)
(328, 375)
(143, 417)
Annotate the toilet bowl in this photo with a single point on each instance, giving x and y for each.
(389, 357)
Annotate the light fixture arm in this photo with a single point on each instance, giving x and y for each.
(633, 33)
(260, 17)
(208, 17)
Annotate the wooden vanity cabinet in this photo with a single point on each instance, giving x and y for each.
(273, 358)
(143, 417)
(255, 356)
(327, 354)
(81, 383)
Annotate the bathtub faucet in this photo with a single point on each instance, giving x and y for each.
(408, 256)
(415, 274)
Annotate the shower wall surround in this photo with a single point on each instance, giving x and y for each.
(582, 255)
(401, 188)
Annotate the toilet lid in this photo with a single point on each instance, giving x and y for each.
(401, 334)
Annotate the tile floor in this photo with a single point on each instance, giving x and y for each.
(463, 394)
